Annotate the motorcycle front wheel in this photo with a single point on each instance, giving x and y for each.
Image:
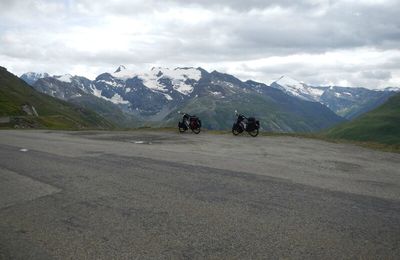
(254, 133)
(181, 127)
(235, 130)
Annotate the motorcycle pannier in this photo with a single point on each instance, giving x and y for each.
(194, 118)
(251, 124)
(194, 122)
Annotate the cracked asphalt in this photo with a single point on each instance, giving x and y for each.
(164, 195)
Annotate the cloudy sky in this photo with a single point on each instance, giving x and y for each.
(320, 42)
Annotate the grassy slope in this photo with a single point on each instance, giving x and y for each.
(381, 125)
(108, 110)
(53, 113)
(219, 113)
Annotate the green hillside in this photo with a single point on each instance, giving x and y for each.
(274, 116)
(381, 125)
(52, 113)
(108, 110)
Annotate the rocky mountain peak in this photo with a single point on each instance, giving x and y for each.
(288, 81)
(120, 68)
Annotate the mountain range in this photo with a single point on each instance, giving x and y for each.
(128, 98)
(22, 106)
(348, 102)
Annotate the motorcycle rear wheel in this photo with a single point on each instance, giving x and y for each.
(253, 133)
(196, 130)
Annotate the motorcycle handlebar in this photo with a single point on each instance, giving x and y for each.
(237, 114)
(240, 115)
(184, 114)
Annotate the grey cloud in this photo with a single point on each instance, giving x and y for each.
(132, 7)
(235, 31)
(236, 36)
(392, 63)
(377, 74)
(244, 6)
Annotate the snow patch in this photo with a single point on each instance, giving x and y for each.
(178, 78)
(217, 93)
(299, 89)
(111, 83)
(150, 80)
(117, 99)
(95, 91)
(168, 97)
(64, 78)
(287, 81)
(317, 93)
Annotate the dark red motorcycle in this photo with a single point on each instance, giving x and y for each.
(189, 122)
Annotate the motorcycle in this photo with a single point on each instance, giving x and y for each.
(189, 122)
(250, 125)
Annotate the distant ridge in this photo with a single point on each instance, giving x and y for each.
(153, 97)
(28, 108)
(130, 98)
(380, 125)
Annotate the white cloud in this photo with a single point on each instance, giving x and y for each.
(317, 41)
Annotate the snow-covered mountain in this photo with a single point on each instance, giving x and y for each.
(64, 86)
(122, 85)
(64, 78)
(298, 89)
(158, 80)
(181, 79)
(32, 77)
(83, 92)
(151, 94)
(348, 102)
(351, 102)
(156, 94)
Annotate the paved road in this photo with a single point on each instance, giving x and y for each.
(161, 195)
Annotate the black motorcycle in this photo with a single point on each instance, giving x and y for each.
(189, 122)
(250, 125)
